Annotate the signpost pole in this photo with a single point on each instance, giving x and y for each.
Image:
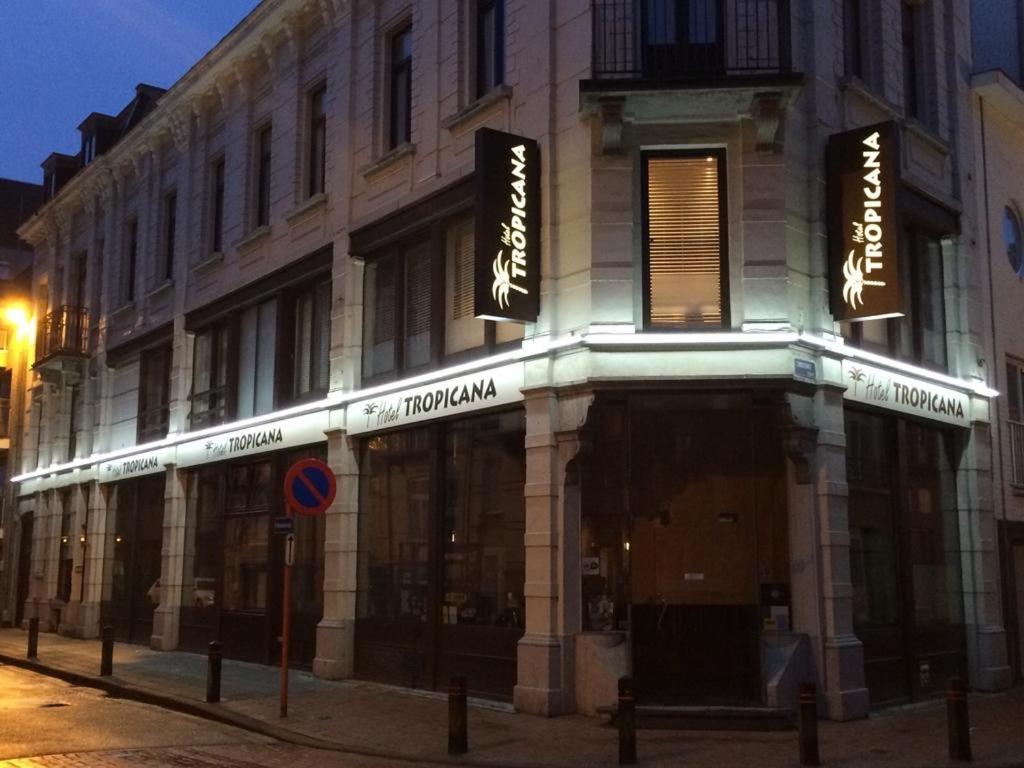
(286, 616)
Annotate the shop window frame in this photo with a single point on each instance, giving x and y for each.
(148, 428)
(721, 156)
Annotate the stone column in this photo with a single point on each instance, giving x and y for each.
(167, 616)
(92, 562)
(335, 634)
(988, 669)
(842, 654)
(544, 674)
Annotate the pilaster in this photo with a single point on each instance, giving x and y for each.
(167, 616)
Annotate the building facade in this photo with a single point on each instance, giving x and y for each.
(642, 338)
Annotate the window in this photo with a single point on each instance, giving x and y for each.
(263, 159)
(257, 348)
(462, 329)
(854, 29)
(317, 141)
(88, 148)
(686, 254)
(170, 227)
(400, 88)
(65, 563)
(312, 340)
(209, 376)
(246, 543)
(1012, 241)
(490, 45)
(130, 261)
(79, 270)
(920, 335)
(1015, 416)
(154, 393)
(911, 41)
(217, 206)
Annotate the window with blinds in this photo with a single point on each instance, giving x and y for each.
(462, 329)
(418, 269)
(686, 249)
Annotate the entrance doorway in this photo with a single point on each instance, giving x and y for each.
(24, 567)
(707, 533)
(136, 536)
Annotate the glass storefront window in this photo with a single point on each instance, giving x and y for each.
(245, 563)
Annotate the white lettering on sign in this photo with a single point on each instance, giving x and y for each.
(485, 389)
(510, 272)
(867, 232)
(885, 389)
(285, 433)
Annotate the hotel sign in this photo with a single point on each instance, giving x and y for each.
(507, 235)
(284, 433)
(864, 270)
(136, 465)
(874, 386)
(450, 397)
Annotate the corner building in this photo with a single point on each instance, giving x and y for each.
(699, 454)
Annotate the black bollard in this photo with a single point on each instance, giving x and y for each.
(458, 739)
(33, 638)
(958, 721)
(107, 652)
(214, 655)
(807, 714)
(626, 719)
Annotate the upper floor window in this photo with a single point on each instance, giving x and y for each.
(685, 246)
(217, 206)
(1012, 240)
(263, 159)
(317, 141)
(210, 376)
(154, 393)
(418, 303)
(854, 37)
(257, 351)
(131, 256)
(166, 271)
(311, 341)
(490, 45)
(88, 148)
(1015, 416)
(400, 88)
(911, 38)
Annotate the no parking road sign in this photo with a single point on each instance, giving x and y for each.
(309, 487)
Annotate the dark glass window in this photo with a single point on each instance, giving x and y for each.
(130, 260)
(317, 141)
(853, 37)
(910, 36)
(154, 393)
(65, 562)
(257, 353)
(686, 261)
(209, 376)
(1012, 240)
(246, 530)
(263, 160)
(400, 88)
(217, 206)
(170, 228)
(490, 45)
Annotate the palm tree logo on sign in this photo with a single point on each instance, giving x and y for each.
(853, 289)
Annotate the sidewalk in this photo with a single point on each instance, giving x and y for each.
(370, 719)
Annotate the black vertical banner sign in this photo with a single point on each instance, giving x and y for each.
(507, 237)
(863, 231)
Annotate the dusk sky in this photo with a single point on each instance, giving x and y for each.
(62, 59)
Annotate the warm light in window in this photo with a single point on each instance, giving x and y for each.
(17, 316)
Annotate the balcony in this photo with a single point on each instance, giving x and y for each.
(733, 58)
(62, 343)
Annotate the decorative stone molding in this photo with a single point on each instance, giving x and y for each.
(611, 125)
(767, 110)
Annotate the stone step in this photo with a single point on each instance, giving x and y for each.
(708, 718)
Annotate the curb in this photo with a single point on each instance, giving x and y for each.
(119, 689)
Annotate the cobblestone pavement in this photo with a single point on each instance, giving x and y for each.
(408, 725)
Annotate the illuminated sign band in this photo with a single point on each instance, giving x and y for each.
(884, 389)
(462, 394)
(507, 259)
(863, 175)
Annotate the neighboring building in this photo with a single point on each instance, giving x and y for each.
(997, 116)
(688, 458)
(18, 201)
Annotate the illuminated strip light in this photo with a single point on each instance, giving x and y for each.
(531, 350)
(699, 339)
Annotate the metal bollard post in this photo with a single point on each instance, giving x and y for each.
(958, 721)
(33, 638)
(214, 656)
(807, 714)
(627, 722)
(458, 739)
(107, 652)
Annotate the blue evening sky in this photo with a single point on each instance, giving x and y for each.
(62, 59)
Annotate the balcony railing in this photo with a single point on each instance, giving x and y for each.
(1016, 453)
(698, 40)
(64, 331)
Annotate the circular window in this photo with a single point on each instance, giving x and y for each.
(1012, 239)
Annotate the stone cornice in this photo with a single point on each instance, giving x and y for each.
(252, 37)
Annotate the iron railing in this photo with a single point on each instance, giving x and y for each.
(63, 331)
(1016, 452)
(672, 40)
